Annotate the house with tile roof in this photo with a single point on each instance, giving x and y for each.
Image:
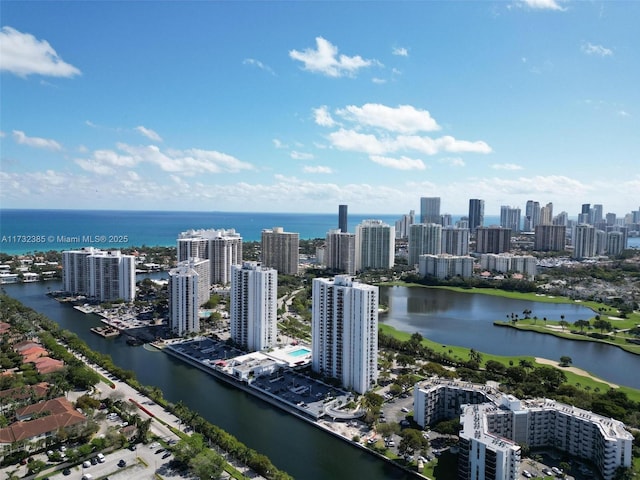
(37, 422)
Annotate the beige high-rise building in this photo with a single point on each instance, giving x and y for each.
(340, 252)
(281, 250)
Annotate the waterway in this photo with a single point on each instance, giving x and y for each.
(305, 452)
(293, 445)
(466, 319)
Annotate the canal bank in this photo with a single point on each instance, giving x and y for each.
(299, 448)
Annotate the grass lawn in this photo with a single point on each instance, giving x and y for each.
(462, 353)
(531, 325)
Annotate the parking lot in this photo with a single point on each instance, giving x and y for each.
(141, 463)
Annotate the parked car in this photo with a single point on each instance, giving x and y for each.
(122, 463)
(166, 455)
(86, 464)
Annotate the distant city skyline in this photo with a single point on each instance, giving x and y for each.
(314, 108)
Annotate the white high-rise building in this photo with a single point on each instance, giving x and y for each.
(424, 238)
(223, 248)
(532, 215)
(188, 289)
(375, 245)
(584, 241)
(344, 331)
(112, 276)
(445, 266)
(103, 275)
(510, 218)
(340, 252)
(75, 270)
(253, 313)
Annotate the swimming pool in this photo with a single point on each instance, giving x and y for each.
(299, 352)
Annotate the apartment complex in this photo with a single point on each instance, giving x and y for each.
(253, 312)
(584, 241)
(343, 222)
(430, 210)
(510, 218)
(281, 250)
(493, 425)
(223, 248)
(344, 331)
(103, 275)
(493, 240)
(550, 238)
(445, 266)
(455, 241)
(507, 263)
(340, 252)
(188, 289)
(375, 245)
(424, 238)
(476, 214)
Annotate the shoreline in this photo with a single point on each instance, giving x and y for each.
(324, 425)
(563, 335)
(576, 370)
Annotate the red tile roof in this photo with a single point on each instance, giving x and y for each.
(48, 364)
(61, 414)
(38, 390)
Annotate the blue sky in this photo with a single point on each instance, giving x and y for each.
(301, 106)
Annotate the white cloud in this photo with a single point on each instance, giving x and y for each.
(447, 143)
(93, 166)
(23, 55)
(400, 51)
(2, 134)
(452, 161)
(317, 169)
(402, 119)
(352, 140)
(506, 166)
(402, 163)
(278, 143)
(379, 81)
(599, 50)
(323, 117)
(542, 4)
(150, 134)
(257, 63)
(325, 60)
(192, 161)
(623, 113)
(36, 142)
(301, 155)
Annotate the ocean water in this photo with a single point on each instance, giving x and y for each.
(24, 231)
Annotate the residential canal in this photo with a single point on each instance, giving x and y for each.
(293, 445)
(466, 319)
